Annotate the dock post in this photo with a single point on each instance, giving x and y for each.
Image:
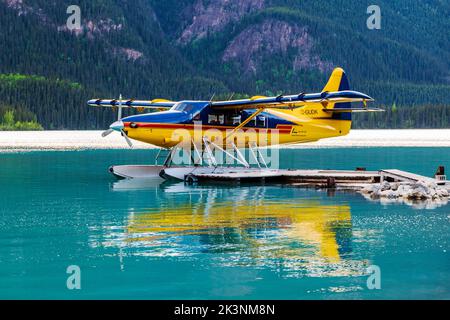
(440, 174)
(331, 183)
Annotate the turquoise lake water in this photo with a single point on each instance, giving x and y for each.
(146, 240)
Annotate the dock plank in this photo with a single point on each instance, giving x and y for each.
(404, 175)
(303, 175)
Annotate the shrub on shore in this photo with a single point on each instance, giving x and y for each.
(9, 124)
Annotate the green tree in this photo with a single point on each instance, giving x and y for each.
(8, 118)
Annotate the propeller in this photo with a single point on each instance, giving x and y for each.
(127, 139)
(107, 132)
(118, 125)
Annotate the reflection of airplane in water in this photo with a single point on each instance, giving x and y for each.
(244, 220)
(253, 223)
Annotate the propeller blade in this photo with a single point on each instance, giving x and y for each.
(119, 111)
(107, 132)
(127, 139)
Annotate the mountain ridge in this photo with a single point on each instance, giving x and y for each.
(265, 47)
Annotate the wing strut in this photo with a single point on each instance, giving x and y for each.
(245, 122)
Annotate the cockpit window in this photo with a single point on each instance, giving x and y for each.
(191, 108)
(184, 107)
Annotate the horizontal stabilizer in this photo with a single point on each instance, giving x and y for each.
(343, 110)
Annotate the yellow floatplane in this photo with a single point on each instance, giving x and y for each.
(227, 126)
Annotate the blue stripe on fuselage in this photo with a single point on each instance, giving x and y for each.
(272, 120)
(160, 117)
(181, 113)
(180, 117)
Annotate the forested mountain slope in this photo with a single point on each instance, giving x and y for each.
(193, 48)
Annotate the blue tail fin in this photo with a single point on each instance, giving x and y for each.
(339, 82)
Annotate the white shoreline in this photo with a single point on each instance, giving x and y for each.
(13, 141)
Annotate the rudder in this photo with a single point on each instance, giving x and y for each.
(339, 82)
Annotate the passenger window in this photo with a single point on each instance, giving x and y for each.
(216, 119)
(212, 119)
(236, 120)
(261, 121)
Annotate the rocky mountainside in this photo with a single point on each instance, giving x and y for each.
(194, 48)
(296, 42)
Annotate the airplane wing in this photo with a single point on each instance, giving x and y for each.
(293, 101)
(138, 104)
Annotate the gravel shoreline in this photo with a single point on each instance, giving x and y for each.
(12, 141)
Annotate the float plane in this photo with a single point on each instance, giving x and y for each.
(259, 121)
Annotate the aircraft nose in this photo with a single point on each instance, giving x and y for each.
(117, 126)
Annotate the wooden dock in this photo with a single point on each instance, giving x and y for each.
(404, 176)
(318, 178)
(325, 178)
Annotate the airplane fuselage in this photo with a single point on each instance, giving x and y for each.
(192, 120)
(242, 123)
